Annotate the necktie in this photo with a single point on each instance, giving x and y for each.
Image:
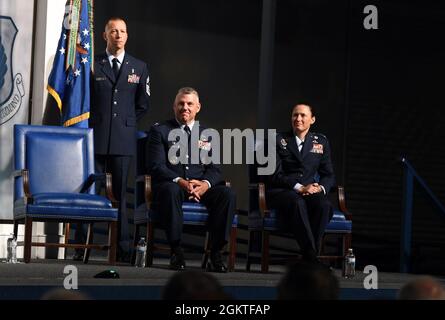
(189, 146)
(300, 147)
(115, 68)
(187, 129)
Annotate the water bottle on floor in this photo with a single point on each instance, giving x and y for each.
(12, 249)
(141, 253)
(349, 265)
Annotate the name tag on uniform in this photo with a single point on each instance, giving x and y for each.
(100, 79)
(317, 148)
(133, 78)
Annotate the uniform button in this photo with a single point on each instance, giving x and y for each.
(114, 115)
(300, 175)
(187, 156)
(114, 102)
(115, 90)
(186, 168)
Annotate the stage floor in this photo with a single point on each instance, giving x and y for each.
(31, 281)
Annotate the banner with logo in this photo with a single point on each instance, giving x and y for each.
(16, 29)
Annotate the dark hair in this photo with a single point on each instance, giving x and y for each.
(307, 281)
(313, 110)
(193, 285)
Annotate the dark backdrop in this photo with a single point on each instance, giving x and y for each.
(378, 92)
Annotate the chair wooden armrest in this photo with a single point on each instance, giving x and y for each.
(109, 190)
(108, 186)
(148, 194)
(25, 175)
(262, 200)
(342, 202)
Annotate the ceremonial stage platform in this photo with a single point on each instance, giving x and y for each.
(31, 281)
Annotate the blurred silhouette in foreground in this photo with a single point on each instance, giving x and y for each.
(422, 288)
(63, 294)
(194, 285)
(308, 281)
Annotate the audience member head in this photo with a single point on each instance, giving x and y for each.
(422, 288)
(308, 281)
(193, 285)
(63, 294)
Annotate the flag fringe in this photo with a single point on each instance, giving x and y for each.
(77, 119)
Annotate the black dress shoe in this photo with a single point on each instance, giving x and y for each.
(78, 256)
(177, 261)
(215, 263)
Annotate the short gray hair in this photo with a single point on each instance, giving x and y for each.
(187, 90)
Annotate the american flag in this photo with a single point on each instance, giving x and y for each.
(69, 81)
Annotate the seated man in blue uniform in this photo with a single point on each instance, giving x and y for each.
(177, 181)
(303, 177)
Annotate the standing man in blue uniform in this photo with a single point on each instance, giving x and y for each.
(304, 175)
(120, 91)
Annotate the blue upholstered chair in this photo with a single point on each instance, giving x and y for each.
(262, 221)
(194, 214)
(54, 182)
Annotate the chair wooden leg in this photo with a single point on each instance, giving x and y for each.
(28, 238)
(86, 255)
(67, 237)
(135, 243)
(150, 244)
(16, 228)
(112, 242)
(232, 250)
(67, 232)
(347, 243)
(205, 256)
(265, 252)
(321, 250)
(249, 249)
